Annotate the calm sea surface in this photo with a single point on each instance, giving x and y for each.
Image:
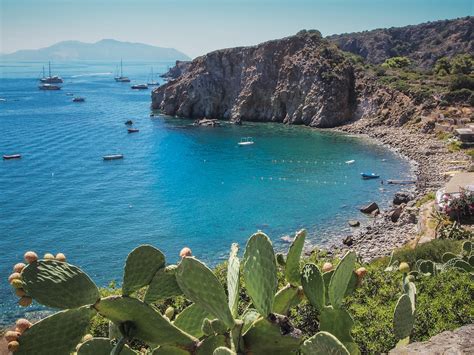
(178, 185)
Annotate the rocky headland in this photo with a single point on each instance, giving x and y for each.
(306, 79)
(301, 79)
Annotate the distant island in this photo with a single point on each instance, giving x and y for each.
(106, 49)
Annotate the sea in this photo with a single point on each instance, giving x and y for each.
(178, 185)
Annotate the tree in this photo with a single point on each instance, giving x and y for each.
(396, 62)
(462, 64)
(442, 66)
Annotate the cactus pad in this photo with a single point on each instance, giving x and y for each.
(427, 267)
(56, 334)
(463, 265)
(150, 325)
(233, 279)
(338, 322)
(403, 318)
(410, 290)
(201, 286)
(249, 316)
(292, 268)
(163, 285)
(286, 298)
(313, 286)
(260, 272)
(141, 265)
(222, 350)
(448, 256)
(467, 247)
(275, 335)
(59, 284)
(101, 346)
(190, 320)
(323, 343)
(340, 279)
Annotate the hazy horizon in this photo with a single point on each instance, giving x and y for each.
(196, 27)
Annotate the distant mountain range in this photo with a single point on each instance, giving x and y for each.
(106, 49)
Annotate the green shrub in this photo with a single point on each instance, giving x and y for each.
(397, 62)
(462, 64)
(462, 81)
(430, 196)
(442, 66)
(433, 251)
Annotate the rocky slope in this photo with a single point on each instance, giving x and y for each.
(300, 79)
(423, 43)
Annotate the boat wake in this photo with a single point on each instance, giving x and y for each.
(91, 74)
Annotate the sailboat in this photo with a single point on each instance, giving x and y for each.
(121, 78)
(152, 82)
(50, 79)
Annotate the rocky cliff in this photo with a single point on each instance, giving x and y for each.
(423, 43)
(300, 79)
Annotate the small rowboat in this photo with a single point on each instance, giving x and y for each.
(367, 176)
(78, 99)
(133, 130)
(12, 156)
(113, 157)
(246, 141)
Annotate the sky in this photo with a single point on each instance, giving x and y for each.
(198, 26)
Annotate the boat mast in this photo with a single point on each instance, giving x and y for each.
(49, 64)
(121, 69)
(43, 71)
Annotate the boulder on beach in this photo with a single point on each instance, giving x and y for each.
(370, 208)
(402, 197)
(354, 223)
(349, 240)
(395, 214)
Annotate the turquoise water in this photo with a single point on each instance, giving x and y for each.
(178, 184)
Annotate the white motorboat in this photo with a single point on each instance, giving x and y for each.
(246, 141)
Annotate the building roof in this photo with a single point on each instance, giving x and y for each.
(460, 181)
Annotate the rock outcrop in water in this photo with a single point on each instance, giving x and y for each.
(300, 79)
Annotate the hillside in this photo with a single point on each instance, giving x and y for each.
(106, 49)
(423, 43)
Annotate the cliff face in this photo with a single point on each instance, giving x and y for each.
(299, 80)
(423, 44)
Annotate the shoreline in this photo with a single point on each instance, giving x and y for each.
(429, 159)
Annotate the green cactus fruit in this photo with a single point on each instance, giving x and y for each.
(323, 343)
(286, 298)
(101, 346)
(206, 327)
(427, 267)
(169, 312)
(150, 326)
(292, 269)
(313, 286)
(467, 248)
(233, 279)
(403, 342)
(169, 350)
(280, 258)
(222, 350)
(141, 265)
(56, 334)
(260, 272)
(340, 279)
(208, 345)
(163, 285)
(17, 283)
(190, 320)
(403, 317)
(448, 256)
(201, 286)
(404, 267)
(338, 322)
(249, 316)
(58, 284)
(275, 335)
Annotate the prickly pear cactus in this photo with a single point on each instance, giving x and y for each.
(233, 279)
(58, 284)
(260, 272)
(163, 285)
(101, 346)
(201, 286)
(221, 350)
(313, 286)
(141, 265)
(286, 298)
(292, 267)
(323, 343)
(56, 334)
(190, 320)
(403, 317)
(340, 279)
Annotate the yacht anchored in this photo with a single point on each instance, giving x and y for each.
(152, 82)
(120, 78)
(49, 87)
(140, 86)
(50, 79)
